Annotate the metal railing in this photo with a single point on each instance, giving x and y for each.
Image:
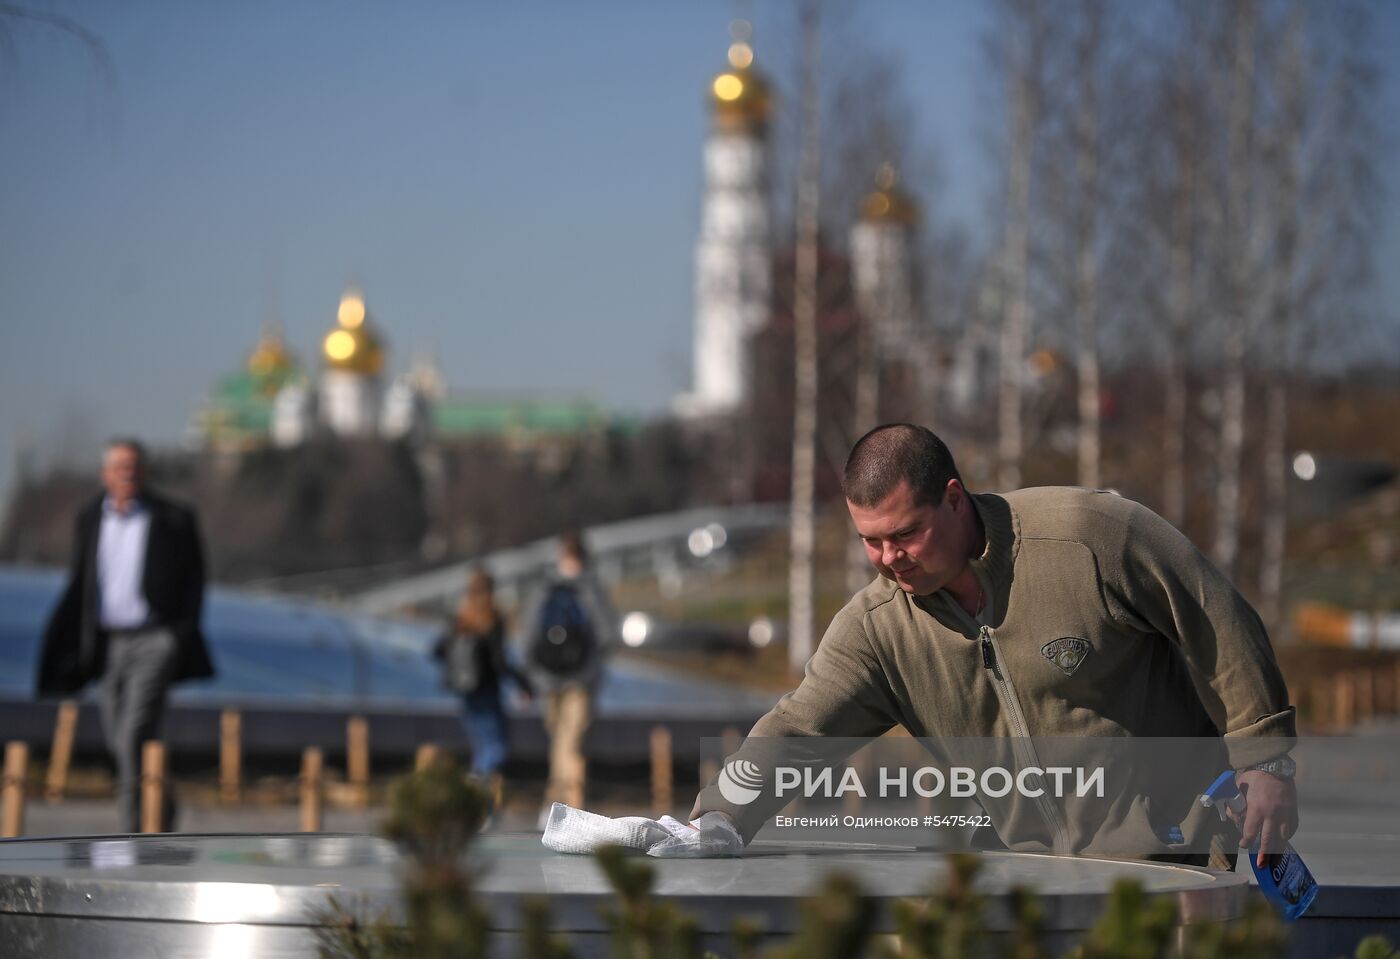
(656, 542)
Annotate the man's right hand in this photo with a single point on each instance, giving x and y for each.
(714, 835)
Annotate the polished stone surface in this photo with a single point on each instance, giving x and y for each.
(265, 896)
(284, 879)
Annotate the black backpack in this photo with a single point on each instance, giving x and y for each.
(462, 663)
(563, 642)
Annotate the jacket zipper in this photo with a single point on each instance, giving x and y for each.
(1021, 739)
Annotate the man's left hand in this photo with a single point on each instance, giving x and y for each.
(1271, 811)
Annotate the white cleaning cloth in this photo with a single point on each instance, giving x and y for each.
(574, 830)
(711, 836)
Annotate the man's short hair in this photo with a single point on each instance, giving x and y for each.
(898, 453)
(127, 442)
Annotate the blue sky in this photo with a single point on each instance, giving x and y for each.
(515, 186)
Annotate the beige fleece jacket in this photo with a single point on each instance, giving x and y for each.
(1173, 650)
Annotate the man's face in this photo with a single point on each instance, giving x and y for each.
(921, 547)
(121, 473)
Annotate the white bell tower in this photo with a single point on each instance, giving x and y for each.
(882, 265)
(733, 256)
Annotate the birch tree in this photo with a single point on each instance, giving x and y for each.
(1021, 35)
(1286, 148)
(1186, 133)
(1184, 115)
(1075, 209)
(1237, 238)
(801, 637)
(1088, 53)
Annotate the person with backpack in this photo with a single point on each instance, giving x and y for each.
(569, 625)
(474, 662)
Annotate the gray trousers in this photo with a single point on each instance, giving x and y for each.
(132, 701)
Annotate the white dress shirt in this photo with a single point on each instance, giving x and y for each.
(121, 562)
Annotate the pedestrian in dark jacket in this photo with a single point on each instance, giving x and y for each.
(129, 617)
(474, 663)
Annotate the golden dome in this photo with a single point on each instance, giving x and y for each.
(740, 96)
(270, 358)
(888, 203)
(353, 347)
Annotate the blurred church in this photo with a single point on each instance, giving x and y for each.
(276, 401)
(874, 331)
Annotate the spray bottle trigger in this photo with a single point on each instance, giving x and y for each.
(1224, 796)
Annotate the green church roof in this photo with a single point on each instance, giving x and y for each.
(471, 415)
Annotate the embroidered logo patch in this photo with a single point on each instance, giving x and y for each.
(1067, 652)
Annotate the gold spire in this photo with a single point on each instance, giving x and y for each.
(740, 95)
(888, 203)
(271, 356)
(353, 346)
(352, 310)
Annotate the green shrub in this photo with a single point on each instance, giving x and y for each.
(1376, 947)
(435, 814)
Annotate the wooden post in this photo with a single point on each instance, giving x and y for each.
(1344, 700)
(1366, 693)
(709, 769)
(429, 754)
(732, 740)
(311, 789)
(1319, 701)
(357, 760)
(61, 753)
(12, 789)
(230, 755)
(662, 781)
(152, 785)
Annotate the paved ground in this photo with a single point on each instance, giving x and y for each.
(1350, 834)
(1349, 805)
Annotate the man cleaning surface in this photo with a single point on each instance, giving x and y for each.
(1049, 612)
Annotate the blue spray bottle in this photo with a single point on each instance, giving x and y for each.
(1285, 880)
